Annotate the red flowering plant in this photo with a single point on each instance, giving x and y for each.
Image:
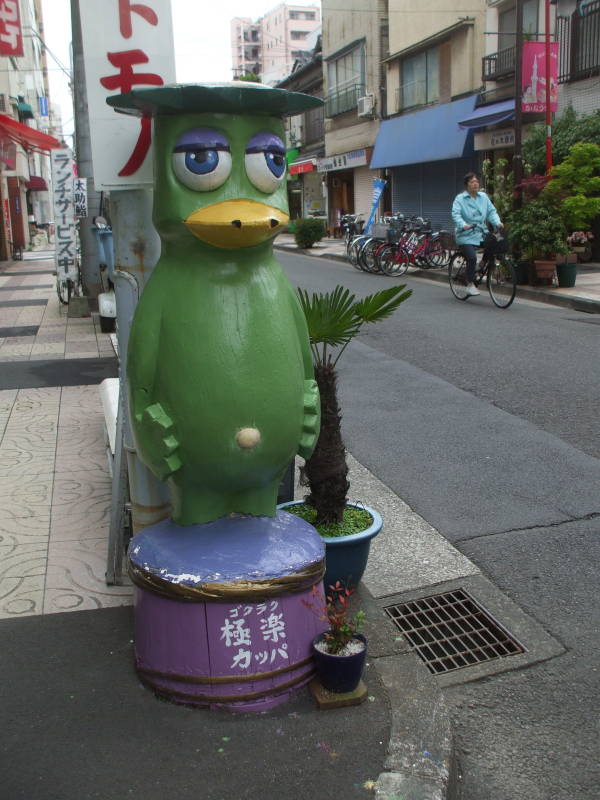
(343, 625)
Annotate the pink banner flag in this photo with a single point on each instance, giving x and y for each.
(533, 81)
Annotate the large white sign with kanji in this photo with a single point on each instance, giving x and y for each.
(126, 45)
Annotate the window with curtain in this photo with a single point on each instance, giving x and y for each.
(347, 71)
(420, 79)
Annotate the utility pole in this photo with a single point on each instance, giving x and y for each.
(548, 111)
(518, 155)
(90, 269)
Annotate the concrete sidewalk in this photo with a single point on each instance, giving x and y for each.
(584, 296)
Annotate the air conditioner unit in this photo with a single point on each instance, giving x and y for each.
(366, 105)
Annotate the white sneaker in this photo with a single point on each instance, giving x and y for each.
(472, 290)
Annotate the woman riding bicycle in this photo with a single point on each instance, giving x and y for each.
(471, 211)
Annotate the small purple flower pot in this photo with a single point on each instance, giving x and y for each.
(339, 673)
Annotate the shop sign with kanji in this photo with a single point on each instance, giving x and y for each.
(11, 35)
(80, 197)
(64, 213)
(126, 46)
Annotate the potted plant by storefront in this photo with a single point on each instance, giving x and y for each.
(333, 320)
(339, 653)
(579, 243)
(538, 233)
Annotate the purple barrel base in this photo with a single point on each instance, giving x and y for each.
(191, 652)
(246, 649)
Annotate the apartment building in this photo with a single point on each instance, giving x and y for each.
(432, 79)
(24, 125)
(354, 43)
(269, 46)
(305, 135)
(578, 35)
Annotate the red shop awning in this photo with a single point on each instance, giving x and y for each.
(36, 184)
(308, 165)
(28, 138)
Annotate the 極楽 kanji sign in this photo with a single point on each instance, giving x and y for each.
(126, 45)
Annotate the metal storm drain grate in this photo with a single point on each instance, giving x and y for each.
(452, 631)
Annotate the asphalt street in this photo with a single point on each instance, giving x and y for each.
(485, 422)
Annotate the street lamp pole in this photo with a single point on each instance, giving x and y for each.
(518, 157)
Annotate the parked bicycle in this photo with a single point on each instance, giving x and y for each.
(495, 266)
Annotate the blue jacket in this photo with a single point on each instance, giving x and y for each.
(467, 210)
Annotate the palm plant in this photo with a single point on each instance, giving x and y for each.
(333, 320)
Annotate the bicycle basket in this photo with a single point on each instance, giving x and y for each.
(379, 231)
(447, 239)
(493, 244)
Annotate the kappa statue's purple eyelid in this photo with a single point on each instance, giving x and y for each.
(201, 139)
(265, 141)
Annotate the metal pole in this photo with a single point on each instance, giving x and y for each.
(137, 249)
(548, 111)
(90, 267)
(518, 156)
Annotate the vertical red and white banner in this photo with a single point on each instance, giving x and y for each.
(126, 45)
(11, 35)
(533, 82)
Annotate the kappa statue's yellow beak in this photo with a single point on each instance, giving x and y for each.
(236, 223)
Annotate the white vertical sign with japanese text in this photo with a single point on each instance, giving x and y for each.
(126, 45)
(64, 213)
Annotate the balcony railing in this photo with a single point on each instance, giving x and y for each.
(342, 100)
(499, 65)
(579, 44)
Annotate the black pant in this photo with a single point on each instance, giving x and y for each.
(469, 251)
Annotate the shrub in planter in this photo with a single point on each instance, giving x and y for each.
(308, 231)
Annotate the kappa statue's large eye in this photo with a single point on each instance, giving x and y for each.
(265, 161)
(202, 159)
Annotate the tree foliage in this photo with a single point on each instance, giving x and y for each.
(576, 183)
(566, 131)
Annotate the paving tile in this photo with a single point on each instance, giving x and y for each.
(81, 498)
(75, 578)
(15, 350)
(18, 560)
(7, 399)
(21, 597)
(25, 495)
(87, 453)
(47, 348)
(15, 461)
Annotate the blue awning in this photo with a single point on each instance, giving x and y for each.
(489, 115)
(429, 135)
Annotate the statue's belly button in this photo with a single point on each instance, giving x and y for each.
(247, 438)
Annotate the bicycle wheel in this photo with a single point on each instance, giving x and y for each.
(393, 260)
(457, 276)
(438, 257)
(368, 255)
(502, 281)
(64, 287)
(354, 251)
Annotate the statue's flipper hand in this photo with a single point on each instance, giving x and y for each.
(160, 440)
(312, 419)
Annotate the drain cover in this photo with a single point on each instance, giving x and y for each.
(452, 631)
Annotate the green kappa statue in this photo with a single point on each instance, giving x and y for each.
(221, 388)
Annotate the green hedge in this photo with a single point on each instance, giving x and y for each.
(308, 231)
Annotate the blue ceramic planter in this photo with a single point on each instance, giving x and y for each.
(339, 673)
(346, 556)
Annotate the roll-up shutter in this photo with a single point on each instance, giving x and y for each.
(429, 189)
(363, 190)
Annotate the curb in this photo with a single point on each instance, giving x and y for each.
(574, 302)
(420, 762)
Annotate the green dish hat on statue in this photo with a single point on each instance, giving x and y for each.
(221, 98)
